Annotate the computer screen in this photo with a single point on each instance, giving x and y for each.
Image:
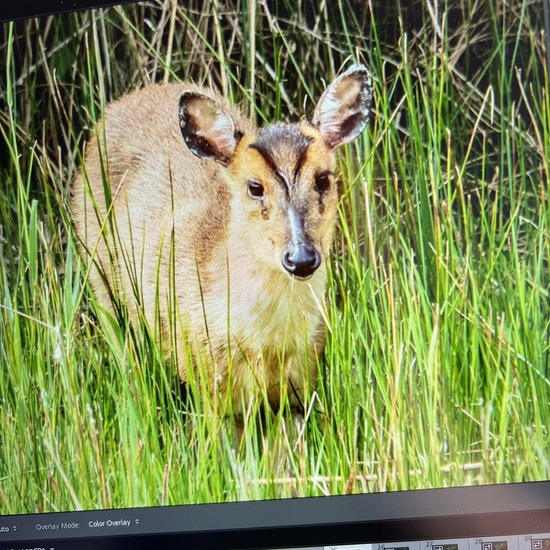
(259, 251)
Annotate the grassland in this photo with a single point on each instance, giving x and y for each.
(437, 366)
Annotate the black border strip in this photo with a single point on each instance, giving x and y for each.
(460, 511)
(24, 9)
(472, 526)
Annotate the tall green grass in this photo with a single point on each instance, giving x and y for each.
(436, 370)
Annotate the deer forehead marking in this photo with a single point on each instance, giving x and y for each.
(284, 149)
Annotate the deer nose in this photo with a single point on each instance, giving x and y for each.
(301, 261)
(300, 257)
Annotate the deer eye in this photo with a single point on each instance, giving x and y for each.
(322, 182)
(255, 190)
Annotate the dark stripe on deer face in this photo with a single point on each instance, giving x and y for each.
(300, 257)
(284, 149)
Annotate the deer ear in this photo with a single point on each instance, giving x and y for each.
(343, 110)
(208, 130)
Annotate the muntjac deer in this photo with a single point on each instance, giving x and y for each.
(217, 233)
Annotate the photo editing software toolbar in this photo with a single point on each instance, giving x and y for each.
(513, 542)
(538, 541)
(508, 517)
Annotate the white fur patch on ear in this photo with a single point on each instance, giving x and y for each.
(209, 132)
(344, 108)
(222, 132)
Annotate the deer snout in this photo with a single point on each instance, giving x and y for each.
(300, 257)
(301, 261)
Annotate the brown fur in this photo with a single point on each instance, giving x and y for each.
(175, 216)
